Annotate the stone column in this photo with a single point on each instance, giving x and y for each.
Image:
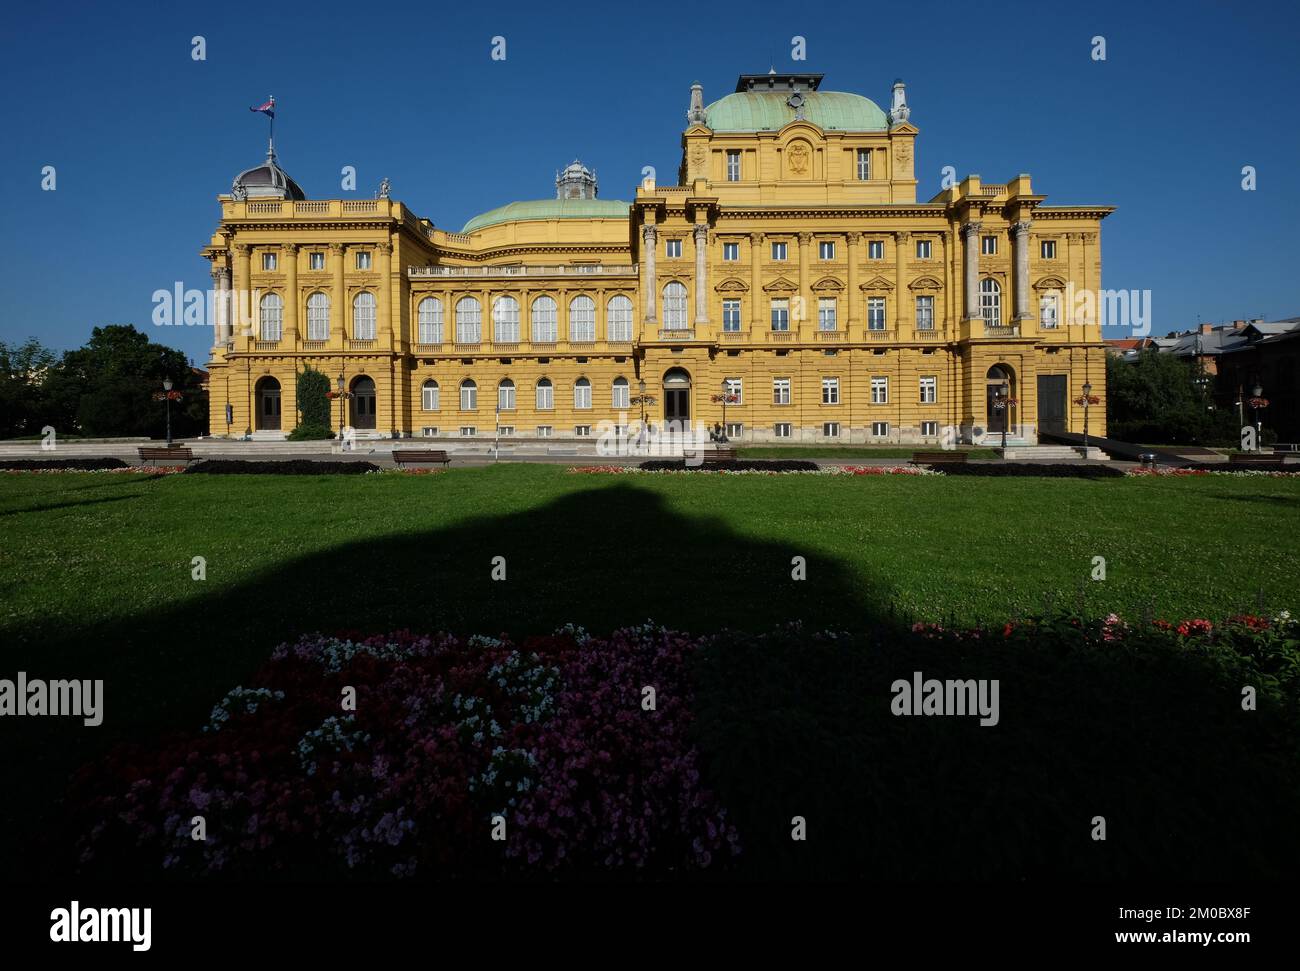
(243, 286)
(649, 240)
(901, 294)
(289, 253)
(220, 308)
(701, 274)
(806, 309)
(851, 311)
(756, 308)
(338, 297)
(1020, 233)
(971, 232)
(383, 305)
(1091, 277)
(949, 294)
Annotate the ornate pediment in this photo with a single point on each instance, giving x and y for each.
(877, 283)
(1050, 283)
(828, 284)
(925, 283)
(781, 285)
(732, 286)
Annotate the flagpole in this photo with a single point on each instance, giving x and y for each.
(270, 148)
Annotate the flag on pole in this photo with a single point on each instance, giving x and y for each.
(266, 109)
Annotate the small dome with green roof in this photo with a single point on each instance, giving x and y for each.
(769, 102)
(550, 209)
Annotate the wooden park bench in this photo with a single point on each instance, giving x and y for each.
(935, 458)
(420, 456)
(174, 455)
(1253, 458)
(722, 453)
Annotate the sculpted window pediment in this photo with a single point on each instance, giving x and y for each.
(827, 284)
(781, 285)
(732, 286)
(925, 283)
(1050, 283)
(877, 283)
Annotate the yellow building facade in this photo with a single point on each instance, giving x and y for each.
(790, 264)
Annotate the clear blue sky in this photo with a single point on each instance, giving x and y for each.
(144, 138)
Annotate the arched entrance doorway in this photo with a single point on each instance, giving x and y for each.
(267, 404)
(677, 395)
(1000, 388)
(363, 403)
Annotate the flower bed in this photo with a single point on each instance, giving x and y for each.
(290, 467)
(1266, 469)
(62, 465)
(740, 465)
(738, 468)
(1030, 469)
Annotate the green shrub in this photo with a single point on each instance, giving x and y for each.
(310, 433)
(313, 406)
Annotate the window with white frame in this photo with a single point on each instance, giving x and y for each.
(781, 313)
(1048, 317)
(673, 249)
(924, 248)
(318, 317)
(880, 429)
(880, 390)
(506, 431)
(469, 321)
(925, 313)
(675, 306)
(733, 165)
(429, 395)
(269, 317)
(731, 315)
(875, 249)
(582, 431)
(864, 164)
(363, 259)
(582, 319)
(429, 431)
(929, 389)
(830, 391)
(429, 316)
(826, 249)
(991, 302)
(731, 252)
(827, 318)
(545, 395)
(544, 431)
(618, 318)
(929, 429)
(506, 395)
(780, 391)
(988, 245)
(736, 389)
(778, 251)
(468, 431)
(315, 261)
(468, 395)
(582, 393)
(781, 429)
(505, 320)
(544, 320)
(875, 313)
(269, 261)
(735, 429)
(363, 316)
(830, 429)
(621, 395)
(1048, 249)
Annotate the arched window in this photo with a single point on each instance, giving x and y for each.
(430, 321)
(506, 395)
(469, 321)
(675, 306)
(582, 393)
(991, 303)
(545, 395)
(468, 395)
(544, 330)
(622, 397)
(363, 316)
(429, 395)
(318, 317)
(582, 319)
(505, 320)
(619, 316)
(269, 322)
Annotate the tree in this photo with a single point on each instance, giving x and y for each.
(313, 406)
(24, 369)
(1155, 399)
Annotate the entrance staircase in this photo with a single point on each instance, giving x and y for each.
(1050, 453)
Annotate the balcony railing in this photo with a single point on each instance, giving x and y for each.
(424, 347)
(267, 345)
(731, 336)
(780, 336)
(883, 336)
(361, 345)
(489, 272)
(928, 334)
(830, 336)
(991, 330)
(315, 345)
(677, 334)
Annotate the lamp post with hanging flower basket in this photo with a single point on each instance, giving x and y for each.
(1002, 403)
(1256, 402)
(1086, 400)
(168, 395)
(727, 397)
(342, 396)
(642, 399)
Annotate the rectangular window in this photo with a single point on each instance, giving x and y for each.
(1048, 318)
(731, 252)
(925, 313)
(429, 396)
(735, 386)
(731, 316)
(826, 315)
(781, 429)
(780, 391)
(733, 165)
(929, 390)
(363, 260)
(506, 397)
(315, 261)
(826, 249)
(780, 313)
(468, 431)
(582, 431)
(268, 261)
(875, 313)
(923, 249)
(506, 431)
(674, 251)
(830, 391)
(428, 431)
(582, 395)
(989, 246)
(875, 249)
(735, 429)
(622, 396)
(864, 164)
(880, 429)
(880, 391)
(830, 429)
(1048, 249)
(468, 396)
(543, 431)
(929, 429)
(778, 251)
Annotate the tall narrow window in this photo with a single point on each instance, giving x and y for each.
(989, 246)
(830, 391)
(875, 249)
(363, 259)
(582, 393)
(826, 249)
(875, 313)
(780, 391)
(864, 164)
(925, 313)
(730, 252)
(545, 395)
(621, 397)
(318, 317)
(880, 391)
(619, 318)
(468, 395)
(826, 315)
(778, 251)
(733, 165)
(505, 320)
(430, 320)
(731, 316)
(929, 390)
(923, 249)
(363, 316)
(543, 314)
(735, 388)
(269, 324)
(1047, 312)
(1048, 249)
(469, 321)
(506, 395)
(582, 319)
(780, 313)
(673, 249)
(269, 261)
(991, 303)
(429, 395)
(675, 306)
(315, 261)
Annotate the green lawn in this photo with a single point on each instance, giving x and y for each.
(845, 452)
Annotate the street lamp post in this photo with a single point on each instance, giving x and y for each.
(1087, 399)
(1255, 406)
(167, 387)
(724, 409)
(1006, 410)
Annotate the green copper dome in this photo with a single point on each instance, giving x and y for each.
(550, 209)
(768, 111)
